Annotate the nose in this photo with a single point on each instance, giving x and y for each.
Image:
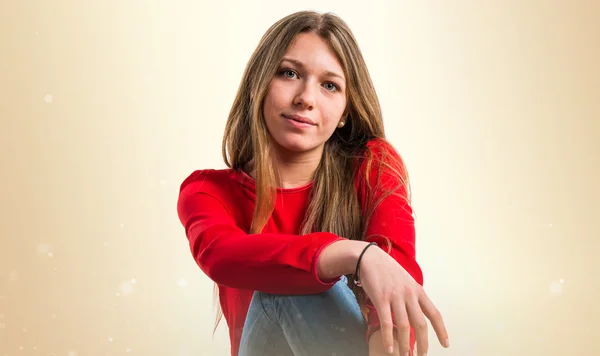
(306, 97)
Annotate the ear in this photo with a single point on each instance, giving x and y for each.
(343, 121)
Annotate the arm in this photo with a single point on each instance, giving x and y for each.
(393, 229)
(391, 223)
(273, 263)
(390, 276)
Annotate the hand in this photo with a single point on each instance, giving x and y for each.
(376, 346)
(392, 290)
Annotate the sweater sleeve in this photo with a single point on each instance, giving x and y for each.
(391, 224)
(272, 263)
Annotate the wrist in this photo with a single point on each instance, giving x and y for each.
(339, 258)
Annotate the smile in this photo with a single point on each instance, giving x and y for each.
(299, 121)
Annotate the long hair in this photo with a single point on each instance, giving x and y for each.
(334, 205)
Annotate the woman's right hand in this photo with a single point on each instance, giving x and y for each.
(393, 291)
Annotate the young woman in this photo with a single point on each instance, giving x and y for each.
(309, 233)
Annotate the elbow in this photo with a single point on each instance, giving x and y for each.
(210, 263)
(215, 267)
(221, 268)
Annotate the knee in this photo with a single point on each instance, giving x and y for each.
(260, 304)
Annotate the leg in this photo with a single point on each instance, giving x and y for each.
(262, 336)
(328, 323)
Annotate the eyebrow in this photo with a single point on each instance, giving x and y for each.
(301, 65)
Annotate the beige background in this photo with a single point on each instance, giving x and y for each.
(106, 106)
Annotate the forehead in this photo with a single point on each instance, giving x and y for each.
(314, 52)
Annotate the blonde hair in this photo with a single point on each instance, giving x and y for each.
(334, 205)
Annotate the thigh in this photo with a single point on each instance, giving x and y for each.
(328, 323)
(261, 335)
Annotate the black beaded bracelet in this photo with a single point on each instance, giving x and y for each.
(356, 279)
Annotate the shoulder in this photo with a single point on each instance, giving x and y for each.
(381, 149)
(203, 192)
(209, 181)
(381, 168)
(381, 156)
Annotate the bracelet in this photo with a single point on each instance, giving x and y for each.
(356, 279)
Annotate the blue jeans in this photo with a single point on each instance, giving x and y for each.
(328, 323)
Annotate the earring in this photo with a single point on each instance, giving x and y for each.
(341, 124)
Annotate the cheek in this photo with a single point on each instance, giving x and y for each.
(273, 101)
(270, 111)
(268, 106)
(334, 112)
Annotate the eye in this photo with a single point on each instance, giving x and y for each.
(331, 86)
(288, 73)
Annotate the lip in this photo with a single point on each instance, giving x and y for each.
(301, 119)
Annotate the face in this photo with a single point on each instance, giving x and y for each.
(307, 97)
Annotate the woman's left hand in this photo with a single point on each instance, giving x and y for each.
(376, 347)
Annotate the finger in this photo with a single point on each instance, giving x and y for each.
(419, 324)
(435, 317)
(387, 326)
(403, 326)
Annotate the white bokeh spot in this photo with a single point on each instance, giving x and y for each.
(44, 249)
(557, 287)
(126, 288)
(182, 283)
(48, 98)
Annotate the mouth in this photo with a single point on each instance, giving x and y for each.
(300, 119)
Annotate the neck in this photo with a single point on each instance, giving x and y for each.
(297, 172)
(295, 169)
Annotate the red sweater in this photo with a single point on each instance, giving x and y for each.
(216, 207)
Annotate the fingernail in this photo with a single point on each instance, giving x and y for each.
(447, 343)
(390, 349)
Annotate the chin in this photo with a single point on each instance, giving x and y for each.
(296, 144)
